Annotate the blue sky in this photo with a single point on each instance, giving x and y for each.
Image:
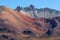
(54, 4)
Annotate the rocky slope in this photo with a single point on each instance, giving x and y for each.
(15, 24)
(18, 23)
(50, 16)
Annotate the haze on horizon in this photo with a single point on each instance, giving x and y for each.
(53, 4)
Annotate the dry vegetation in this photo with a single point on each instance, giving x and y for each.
(10, 36)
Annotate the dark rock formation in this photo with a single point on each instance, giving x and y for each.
(18, 8)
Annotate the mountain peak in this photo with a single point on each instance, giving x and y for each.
(2, 8)
(31, 7)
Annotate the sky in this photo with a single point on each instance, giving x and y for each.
(53, 4)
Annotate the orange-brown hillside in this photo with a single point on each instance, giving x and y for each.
(19, 24)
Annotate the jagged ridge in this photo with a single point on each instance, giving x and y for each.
(31, 11)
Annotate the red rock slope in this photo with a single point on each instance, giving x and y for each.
(20, 23)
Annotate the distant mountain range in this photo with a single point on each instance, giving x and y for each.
(31, 11)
